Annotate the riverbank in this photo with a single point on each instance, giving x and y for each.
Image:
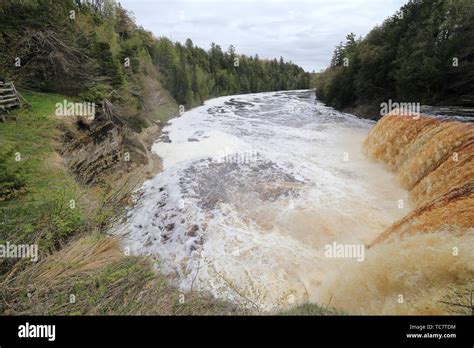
(372, 112)
(80, 269)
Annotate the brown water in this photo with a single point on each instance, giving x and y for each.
(257, 188)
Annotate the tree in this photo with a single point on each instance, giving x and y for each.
(424, 53)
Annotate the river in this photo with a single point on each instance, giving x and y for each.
(253, 189)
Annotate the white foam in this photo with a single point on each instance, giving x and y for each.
(262, 221)
(214, 144)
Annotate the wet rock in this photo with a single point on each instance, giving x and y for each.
(216, 182)
(165, 139)
(193, 231)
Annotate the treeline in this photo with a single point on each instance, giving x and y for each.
(424, 53)
(193, 74)
(62, 46)
(94, 47)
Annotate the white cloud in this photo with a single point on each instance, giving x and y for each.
(304, 31)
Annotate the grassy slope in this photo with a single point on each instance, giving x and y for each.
(91, 276)
(81, 271)
(40, 212)
(91, 266)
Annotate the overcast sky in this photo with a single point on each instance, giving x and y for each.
(304, 31)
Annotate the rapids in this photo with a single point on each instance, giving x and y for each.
(253, 189)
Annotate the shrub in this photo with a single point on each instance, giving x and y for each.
(11, 180)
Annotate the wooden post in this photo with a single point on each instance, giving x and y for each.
(9, 97)
(19, 95)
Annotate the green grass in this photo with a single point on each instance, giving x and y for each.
(39, 212)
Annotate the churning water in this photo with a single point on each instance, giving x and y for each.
(253, 189)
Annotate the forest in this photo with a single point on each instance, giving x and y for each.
(65, 180)
(77, 51)
(193, 74)
(95, 47)
(423, 53)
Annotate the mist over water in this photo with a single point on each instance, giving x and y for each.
(252, 190)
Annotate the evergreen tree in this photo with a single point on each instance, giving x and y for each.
(424, 53)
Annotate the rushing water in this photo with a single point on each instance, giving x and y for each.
(252, 190)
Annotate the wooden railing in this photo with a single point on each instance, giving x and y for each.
(8, 96)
